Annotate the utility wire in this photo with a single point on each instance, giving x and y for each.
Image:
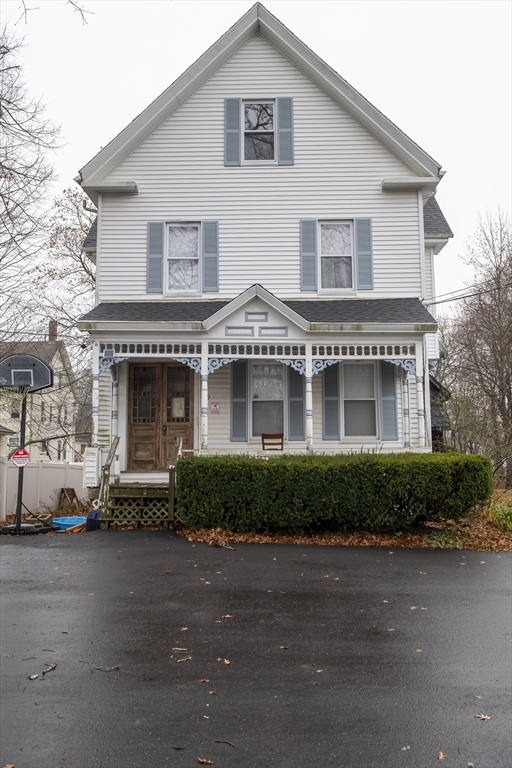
(466, 296)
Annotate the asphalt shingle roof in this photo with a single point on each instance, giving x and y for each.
(328, 311)
(89, 244)
(434, 222)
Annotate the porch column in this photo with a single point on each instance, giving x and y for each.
(407, 427)
(95, 393)
(204, 399)
(420, 396)
(115, 401)
(309, 398)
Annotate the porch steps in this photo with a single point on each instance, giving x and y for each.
(138, 506)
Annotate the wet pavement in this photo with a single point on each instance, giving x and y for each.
(342, 657)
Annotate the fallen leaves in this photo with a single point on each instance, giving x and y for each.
(212, 693)
(226, 661)
(483, 717)
(184, 629)
(204, 680)
(478, 697)
(284, 647)
(204, 761)
(227, 616)
(441, 756)
(476, 534)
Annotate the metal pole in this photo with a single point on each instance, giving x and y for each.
(19, 499)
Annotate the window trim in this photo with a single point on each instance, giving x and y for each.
(193, 292)
(258, 163)
(336, 291)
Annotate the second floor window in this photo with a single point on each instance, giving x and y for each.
(183, 258)
(336, 254)
(259, 130)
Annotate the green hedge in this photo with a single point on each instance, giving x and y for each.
(343, 492)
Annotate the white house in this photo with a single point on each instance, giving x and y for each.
(264, 250)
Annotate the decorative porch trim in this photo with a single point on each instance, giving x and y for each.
(109, 362)
(192, 362)
(320, 365)
(214, 363)
(297, 365)
(408, 365)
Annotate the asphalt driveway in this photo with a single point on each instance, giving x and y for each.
(265, 655)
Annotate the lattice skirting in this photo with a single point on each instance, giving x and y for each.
(143, 509)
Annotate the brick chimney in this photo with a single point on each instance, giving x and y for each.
(52, 330)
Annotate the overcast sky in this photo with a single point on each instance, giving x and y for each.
(440, 69)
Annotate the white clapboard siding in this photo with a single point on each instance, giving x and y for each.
(180, 174)
(105, 410)
(219, 390)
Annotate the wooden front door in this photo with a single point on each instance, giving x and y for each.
(161, 408)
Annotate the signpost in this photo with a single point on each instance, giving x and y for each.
(20, 458)
(23, 374)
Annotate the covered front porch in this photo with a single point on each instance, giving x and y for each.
(220, 374)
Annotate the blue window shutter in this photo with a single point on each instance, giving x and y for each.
(232, 114)
(364, 254)
(239, 376)
(285, 131)
(210, 231)
(331, 402)
(296, 429)
(388, 411)
(308, 254)
(154, 270)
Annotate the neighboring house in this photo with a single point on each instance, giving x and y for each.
(50, 412)
(265, 249)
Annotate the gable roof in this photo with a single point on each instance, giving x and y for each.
(434, 222)
(256, 21)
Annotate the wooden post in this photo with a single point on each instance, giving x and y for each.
(175, 453)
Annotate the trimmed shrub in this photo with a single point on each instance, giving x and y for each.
(343, 492)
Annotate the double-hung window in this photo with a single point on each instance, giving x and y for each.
(183, 253)
(259, 137)
(336, 254)
(359, 400)
(182, 258)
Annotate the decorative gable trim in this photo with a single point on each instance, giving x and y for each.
(257, 20)
(252, 292)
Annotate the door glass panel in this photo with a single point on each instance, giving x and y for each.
(144, 394)
(178, 394)
(267, 417)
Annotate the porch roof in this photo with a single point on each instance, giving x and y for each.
(313, 311)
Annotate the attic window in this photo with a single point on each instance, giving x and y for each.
(258, 131)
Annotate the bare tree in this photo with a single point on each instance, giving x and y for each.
(80, 9)
(26, 138)
(479, 339)
(64, 282)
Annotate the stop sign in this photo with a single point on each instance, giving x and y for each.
(20, 457)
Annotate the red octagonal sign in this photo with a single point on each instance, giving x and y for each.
(20, 457)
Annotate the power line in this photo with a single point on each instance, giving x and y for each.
(466, 296)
